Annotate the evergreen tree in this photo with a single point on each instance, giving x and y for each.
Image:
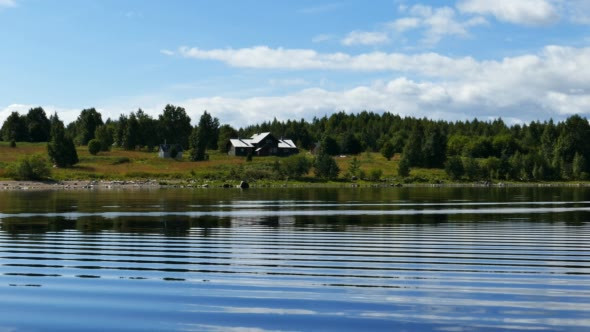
(120, 130)
(350, 144)
(86, 124)
(201, 136)
(434, 147)
(330, 146)
(175, 125)
(131, 136)
(15, 128)
(148, 134)
(471, 168)
(60, 148)
(198, 145)
(324, 165)
(38, 125)
(226, 132)
(413, 149)
(388, 150)
(403, 168)
(579, 167)
(104, 135)
(454, 167)
(354, 167)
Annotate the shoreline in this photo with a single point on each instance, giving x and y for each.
(14, 185)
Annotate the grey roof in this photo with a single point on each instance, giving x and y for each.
(287, 144)
(257, 138)
(241, 143)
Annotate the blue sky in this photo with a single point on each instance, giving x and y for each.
(249, 61)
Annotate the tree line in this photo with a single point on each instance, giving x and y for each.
(473, 149)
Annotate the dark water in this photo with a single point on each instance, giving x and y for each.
(444, 259)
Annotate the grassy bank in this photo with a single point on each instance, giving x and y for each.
(133, 165)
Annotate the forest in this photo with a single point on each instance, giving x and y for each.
(467, 150)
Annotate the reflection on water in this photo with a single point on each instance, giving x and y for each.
(449, 259)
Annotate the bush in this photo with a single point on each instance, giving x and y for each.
(325, 166)
(94, 146)
(295, 166)
(375, 174)
(12, 143)
(34, 167)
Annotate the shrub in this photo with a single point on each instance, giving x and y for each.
(295, 166)
(375, 174)
(12, 143)
(94, 146)
(325, 166)
(34, 167)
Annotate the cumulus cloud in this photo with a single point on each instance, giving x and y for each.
(436, 22)
(365, 38)
(527, 12)
(550, 83)
(553, 82)
(264, 57)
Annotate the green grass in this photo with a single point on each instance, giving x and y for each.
(134, 165)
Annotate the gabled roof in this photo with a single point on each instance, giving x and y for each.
(242, 143)
(287, 144)
(257, 138)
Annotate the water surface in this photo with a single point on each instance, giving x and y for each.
(416, 259)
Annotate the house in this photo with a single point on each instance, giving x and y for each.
(263, 144)
(170, 151)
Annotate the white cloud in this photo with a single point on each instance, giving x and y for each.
(436, 23)
(405, 23)
(7, 3)
(551, 83)
(167, 52)
(527, 12)
(322, 38)
(431, 64)
(365, 38)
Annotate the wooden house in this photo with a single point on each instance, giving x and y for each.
(263, 144)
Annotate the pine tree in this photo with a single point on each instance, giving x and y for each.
(325, 166)
(403, 168)
(388, 150)
(61, 148)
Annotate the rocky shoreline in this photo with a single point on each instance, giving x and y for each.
(11, 185)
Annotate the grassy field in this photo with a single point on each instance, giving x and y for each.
(127, 165)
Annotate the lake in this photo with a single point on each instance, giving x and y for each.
(354, 259)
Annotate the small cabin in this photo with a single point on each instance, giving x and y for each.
(263, 144)
(173, 151)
